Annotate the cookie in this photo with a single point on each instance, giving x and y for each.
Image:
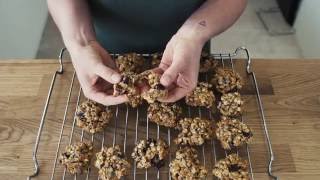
(164, 114)
(233, 133)
(156, 89)
(76, 158)
(186, 165)
(111, 163)
(226, 80)
(231, 105)
(92, 116)
(232, 167)
(131, 62)
(207, 63)
(150, 152)
(127, 86)
(194, 131)
(155, 60)
(201, 96)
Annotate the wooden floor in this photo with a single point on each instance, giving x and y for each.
(290, 93)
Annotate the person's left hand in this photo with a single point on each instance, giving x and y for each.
(180, 64)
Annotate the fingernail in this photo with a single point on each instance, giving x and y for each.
(115, 78)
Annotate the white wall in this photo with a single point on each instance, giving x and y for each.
(308, 28)
(21, 26)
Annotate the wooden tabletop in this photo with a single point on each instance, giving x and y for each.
(290, 94)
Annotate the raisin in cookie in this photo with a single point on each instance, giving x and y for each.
(207, 63)
(231, 104)
(232, 167)
(164, 114)
(194, 131)
(156, 89)
(130, 62)
(186, 165)
(76, 158)
(201, 96)
(127, 86)
(232, 133)
(111, 163)
(150, 152)
(92, 116)
(226, 80)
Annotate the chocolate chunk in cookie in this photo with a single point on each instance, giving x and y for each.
(76, 158)
(150, 152)
(164, 114)
(201, 96)
(92, 116)
(233, 133)
(194, 131)
(186, 165)
(232, 167)
(156, 89)
(111, 163)
(226, 80)
(231, 105)
(131, 62)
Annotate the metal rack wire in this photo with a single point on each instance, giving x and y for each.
(212, 147)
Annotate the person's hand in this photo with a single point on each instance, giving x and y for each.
(96, 72)
(180, 64)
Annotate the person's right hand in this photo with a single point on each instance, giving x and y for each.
(96, 72)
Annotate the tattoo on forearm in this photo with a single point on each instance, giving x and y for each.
(203, 23)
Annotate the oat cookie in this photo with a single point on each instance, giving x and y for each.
(156, 59)
(164, 114)
(207, 63)
(201, 96)
(226, 80)
(111, 163)
(76, 158)
(150, 152)
(232, 167)
(92, 116)
(231, 104)
(131, 62)
(157, 90)
(127, 86)
(186, 165)
(233, 133)
(194, 131)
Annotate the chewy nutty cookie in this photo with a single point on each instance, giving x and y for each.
(231, 104)
(186, 165)
(207, 63)
(92, 116)
(194, 131)
(127, 86)
(150, 152)
(226, 80)
(111, 163)
(131, 62)
(232, 133)
(156, 89)
(76, 158)
(232, 167)
(201, 96)
(164, 114)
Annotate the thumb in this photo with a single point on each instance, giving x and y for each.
(107, 73)
(171, 74)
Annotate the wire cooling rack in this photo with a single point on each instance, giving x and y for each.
(131, 124)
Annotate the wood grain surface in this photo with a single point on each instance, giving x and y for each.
(290, 94)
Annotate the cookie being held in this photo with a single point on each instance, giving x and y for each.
(155, 89)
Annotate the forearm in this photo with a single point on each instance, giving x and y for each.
(73, 20)
(212, 18)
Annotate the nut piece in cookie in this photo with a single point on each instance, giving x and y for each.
(233, 133)
(201, 96)
(207, 63)
(232, 167)
(156, 89)
(150, 152)
(130, 62)
(76, 158)
(226, 80)
(231, 104)
(194, 131)
(92, 116)
(111, 163)
(186, 165)
(127, 86)
(156, 59)
(164, 114)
